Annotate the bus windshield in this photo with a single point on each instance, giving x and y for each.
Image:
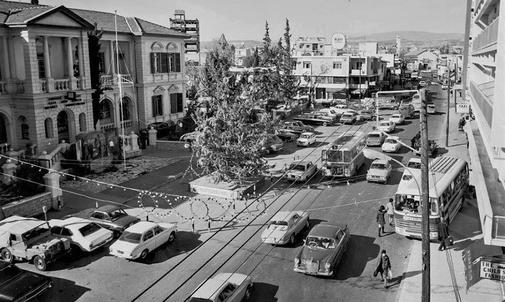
(339, 155)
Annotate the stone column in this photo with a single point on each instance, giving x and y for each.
(5, 60)
(70, 63)
(112, 59)
(52, 181)
(47, 66)
(152, 136)
(82, 74)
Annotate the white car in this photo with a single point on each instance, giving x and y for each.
(445, 87)
(83, 234)
(386, 126)
(397, 118)
(414, 163)
(301, 170)
(349, 117)
(140, 239)
(229, 287)
(431, 109)
(380, 171)
(340, 109)
(306, 139)
(284, 227)
(391, 144)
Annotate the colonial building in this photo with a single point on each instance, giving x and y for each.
(45, 81)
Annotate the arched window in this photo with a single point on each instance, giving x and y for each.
(105, 109)
(48, 126)
(126, 114)
(25, 130)
(82, 122)
(174, 57)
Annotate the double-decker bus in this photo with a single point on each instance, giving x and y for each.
(345, 156)
(448, 181)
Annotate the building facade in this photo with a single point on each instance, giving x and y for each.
(45, 80)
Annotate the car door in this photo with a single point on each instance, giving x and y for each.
(296, 225)
(160, 237)
(312, 139)
(102, 219)
(340, 246)
(148, 241)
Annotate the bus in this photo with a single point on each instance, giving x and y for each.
(448, 180)
(345, 156)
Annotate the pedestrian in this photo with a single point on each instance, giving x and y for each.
(443, 234)
(381, 221)
(384, 264)
(391, 212)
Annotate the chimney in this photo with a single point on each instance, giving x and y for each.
(35, 2)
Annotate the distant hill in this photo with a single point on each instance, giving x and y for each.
(420, 36)
(247, 43)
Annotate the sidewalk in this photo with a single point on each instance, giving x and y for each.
(451, 270)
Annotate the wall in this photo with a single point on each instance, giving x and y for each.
(27, 207)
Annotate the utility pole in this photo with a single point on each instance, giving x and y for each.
(455, 81)
(447, 110)
(425, 206)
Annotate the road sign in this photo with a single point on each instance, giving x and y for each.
(463, 108)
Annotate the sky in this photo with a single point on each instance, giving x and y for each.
(245, 20)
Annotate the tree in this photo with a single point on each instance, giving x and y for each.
(266, 54)
(288, 82)
(94, 37)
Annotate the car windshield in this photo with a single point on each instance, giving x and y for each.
(33, 233)
(116, 214)
(384, 124)
(278, 222)
(374, 135)
(89, 229)
(396, 116)
(297, 167)
(414, 165)
(130, 237)
(320, 242)
(379, 166)
(193, 299)
(391, 141)
(305, 136)
(347, 115)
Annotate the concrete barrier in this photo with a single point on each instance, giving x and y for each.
(28, 207)
(171, 146)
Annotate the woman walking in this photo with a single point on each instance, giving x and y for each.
(385, 264)
(381, 221)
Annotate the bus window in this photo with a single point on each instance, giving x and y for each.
(433, 206)
(347, 154)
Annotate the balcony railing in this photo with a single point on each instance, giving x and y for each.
(107, 126)
(106, 80)
(487, 37)
(43, 85)
(6, 88)
(127, 123)
(485, 104)
(357, 72)
(61, 85)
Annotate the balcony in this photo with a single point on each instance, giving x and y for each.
(3, 87)
(358, 72)
(127, 123)
(61, 85)
(483, 97)
(107, 126)
(14, 87)
(486, 40)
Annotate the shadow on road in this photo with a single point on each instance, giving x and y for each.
(185, 242)
(63, 290)
(397, 280)
(263, 292)
(353, 263)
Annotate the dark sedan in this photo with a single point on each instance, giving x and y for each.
(20, 285)
(110, 217)
(322, 250)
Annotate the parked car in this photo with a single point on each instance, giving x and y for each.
(366, 115)
(397, 118)
(30, 239)
(375, 138)
(83, 234)
(229, 287)
(330, 112)
(138, 240)
(296, 127)
(317, 118)
(386, 126)
(272, 144)
(340, 109)
(445, 87)
(349, 117)
(162, 128)
(286, 136)
(306, 139)
(301, 170)
(380, 171)
(391, 144)
(111, 217)
(423, 83)
(388, 103)
(322, 250)
(414, 163)
(431, 109)
(19, 285)
(284, 227)
(407, 110)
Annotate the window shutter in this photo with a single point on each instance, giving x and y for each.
(153, 63)
(173, 103)
(180, 107)
(177, 62)
(164, 62)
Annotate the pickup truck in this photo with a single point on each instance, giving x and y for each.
(316, 119)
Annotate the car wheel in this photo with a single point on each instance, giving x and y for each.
(171, 238)
(248, 292)
(40, 263)
(7, 256)
(144, 254)
(292, 240)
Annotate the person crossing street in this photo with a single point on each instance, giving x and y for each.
(381, 221)
(384, 267)
(390, 212)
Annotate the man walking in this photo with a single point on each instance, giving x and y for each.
(385, 264)
(381, 221)
(391, 213)
(443, 234)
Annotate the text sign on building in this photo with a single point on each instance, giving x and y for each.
(463, 108)
(492, 270)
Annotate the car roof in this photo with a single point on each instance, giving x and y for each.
(325, 230)
(210, 288)
(396, 114)
(375, 132)
(108, 208)
(71, 222)
(19, 225)
(393, 137)
(141, 227)
(300, 162)
(308, 133)
(283, 216)
(380, 161)
(415, 160)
